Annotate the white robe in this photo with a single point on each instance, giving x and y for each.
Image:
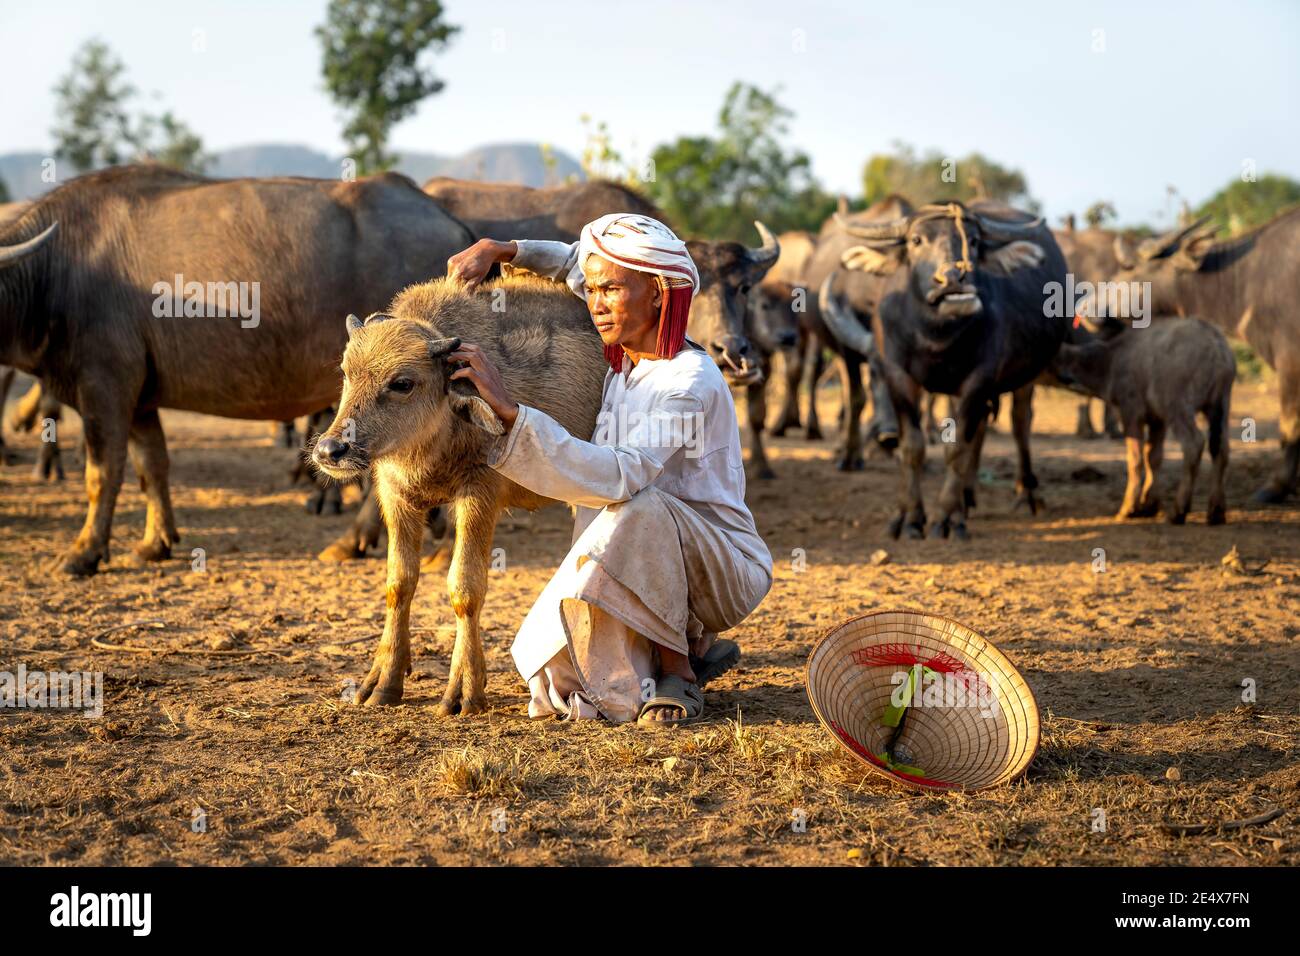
(664, 547)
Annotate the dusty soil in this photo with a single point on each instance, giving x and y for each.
(1138, 672)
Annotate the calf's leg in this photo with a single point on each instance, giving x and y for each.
(1193, 443)
(1153, 456)
(792, 369)
(815, 363)
(756, 404)
(911, 462)
(467, 584)
(1217, 512)
(1133, 489)
(387, 677)
(850, 424)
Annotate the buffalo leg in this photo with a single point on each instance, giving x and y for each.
(850, 429)
(1022, 423)
(387, 677)
(1283, 482)
(756, 403)
(884, 418)
(1217, 511)
(792, 367)
(1133, 452)
(106, 436)
(49, 462)
(962, 461)
(1083, 427)
(467, 584)
(148, 448)
(1153, 456)
(327, 495)
(361, 536)
(1110, 417)
(6, 382)
(815, 363)
(911, 462)
(1193, 443)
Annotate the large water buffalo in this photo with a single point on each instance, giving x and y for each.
(507, 211)
(860, 292)
(140, 287)
(962, 313)
(1248, 287)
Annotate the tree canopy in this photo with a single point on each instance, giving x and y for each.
(940, 177)
(1242, 205)
(372, 51)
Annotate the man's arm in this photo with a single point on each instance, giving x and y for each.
(551, 260)
(544, 458)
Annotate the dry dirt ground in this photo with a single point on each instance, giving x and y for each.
(1138, 672)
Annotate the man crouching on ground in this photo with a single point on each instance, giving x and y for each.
(665, 553)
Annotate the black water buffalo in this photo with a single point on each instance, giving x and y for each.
(1248, 287)
(860, 292)
(962, 313)
(140, 287)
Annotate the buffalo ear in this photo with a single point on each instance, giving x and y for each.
(466, 404)
(1020, 254)
(440, 348)
(875, 261)
(353, 324)
(1192, 251)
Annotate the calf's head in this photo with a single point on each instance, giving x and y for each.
(397, 398)
(944, 247)
(720, 309)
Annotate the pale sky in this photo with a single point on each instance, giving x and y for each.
(1090, 100)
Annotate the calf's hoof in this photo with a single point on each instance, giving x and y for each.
(456, 705)
(1216, 516)
(380, 689)
(1177, 517)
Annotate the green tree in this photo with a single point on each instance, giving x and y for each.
(940, 178)
(1241, 206)
(716, 187)
(1099, 213)
(371, 63)
(97, 128)
(94, 128)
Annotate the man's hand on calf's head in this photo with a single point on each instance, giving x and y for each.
(471, 265)
(483, 375)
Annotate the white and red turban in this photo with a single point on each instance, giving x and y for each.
(646, 245)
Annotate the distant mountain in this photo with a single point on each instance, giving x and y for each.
(503, 162)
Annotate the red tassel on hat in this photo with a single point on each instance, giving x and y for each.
(673, 314)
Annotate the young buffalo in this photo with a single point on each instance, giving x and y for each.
(1160, 377)
(427, 441)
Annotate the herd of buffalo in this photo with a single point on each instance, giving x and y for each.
(127, 290)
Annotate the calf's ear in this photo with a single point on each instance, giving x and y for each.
(466, 404)
(1020, 254)
(876, 261)
(440, 348)
(354, 324)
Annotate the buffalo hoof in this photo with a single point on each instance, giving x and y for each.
(960, 533)
(381, 688)
(1026, 501)
(915, 532)
(438, 562)
(1217, 515)
(851, 463)
(1271, 495)
(341, 551)
(968, 496)
(812, 434)
(82, 564)
(765, 473)
(895, 527)
(1177, 517)
(939, 530)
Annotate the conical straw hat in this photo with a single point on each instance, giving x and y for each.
(972, 721)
